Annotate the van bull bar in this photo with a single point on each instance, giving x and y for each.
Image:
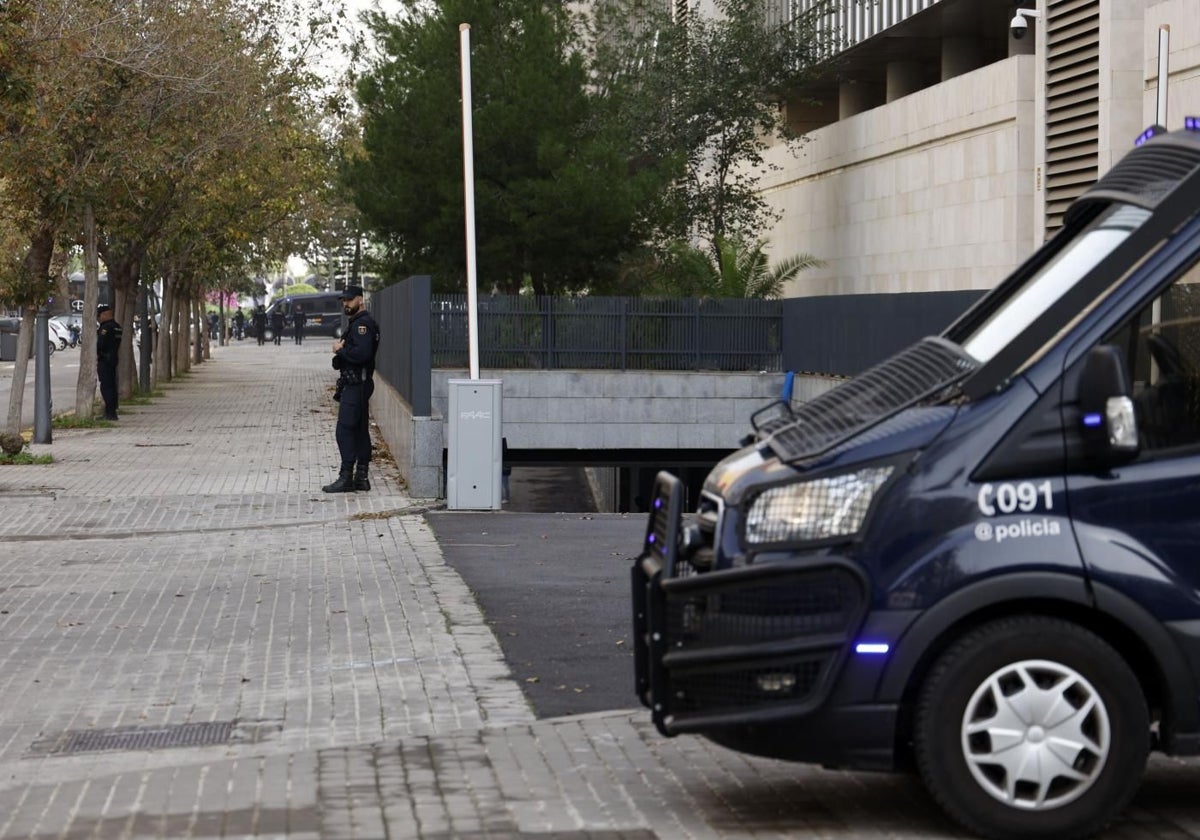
(749, 644)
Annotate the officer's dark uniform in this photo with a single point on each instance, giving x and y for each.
(108, 343)
(298, 321)
(356, 363)
(259, 322)
(277, 319)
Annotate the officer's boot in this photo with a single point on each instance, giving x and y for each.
(344, 482)
(361, 482)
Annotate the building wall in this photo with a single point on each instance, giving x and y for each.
(926, 193)
(582, 409)
(1183, 90)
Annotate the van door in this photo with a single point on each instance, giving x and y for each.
(1138, 524)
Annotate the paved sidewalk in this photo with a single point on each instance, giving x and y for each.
(195, 641)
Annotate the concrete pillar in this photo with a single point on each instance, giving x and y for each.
(803, 117)
(1027, 44)
(856, 97)
(903, 78)
(960, 54)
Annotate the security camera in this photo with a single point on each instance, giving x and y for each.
(1019, 24)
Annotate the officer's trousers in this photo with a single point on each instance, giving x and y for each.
(354, 424)
(107, 373)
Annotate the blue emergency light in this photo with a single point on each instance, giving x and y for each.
(1148, 133)
(875, 648)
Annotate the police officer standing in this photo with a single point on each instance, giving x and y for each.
(259, 322)
(277, 320)
(354, 357)
(108, 345)
(298, 320)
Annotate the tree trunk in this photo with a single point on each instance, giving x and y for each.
(183, 360)
(202, 349)
(162, 348)
(85, 386)
(35, 265)
(128, 379)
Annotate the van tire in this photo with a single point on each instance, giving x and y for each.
(1040, 661)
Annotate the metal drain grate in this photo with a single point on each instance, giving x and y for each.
(137, 738)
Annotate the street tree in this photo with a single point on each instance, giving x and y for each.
(740, 269)
(556, 201)
(702, 93)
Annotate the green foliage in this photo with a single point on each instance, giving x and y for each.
(702, 94)
(74, 421)
(295, 289)
(144, 398)
(25, 459)
(556, 198)
(740, 269)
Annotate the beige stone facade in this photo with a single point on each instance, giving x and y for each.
(943, 188)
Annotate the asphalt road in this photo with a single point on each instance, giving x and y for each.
(64, 374)
(555, 589)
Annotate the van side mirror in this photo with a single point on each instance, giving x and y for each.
(1110, 431)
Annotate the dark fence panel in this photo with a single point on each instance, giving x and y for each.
(403, 362)
(610, 333)
(845, 334)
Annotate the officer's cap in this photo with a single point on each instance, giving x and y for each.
(104, 307)
(352, 292)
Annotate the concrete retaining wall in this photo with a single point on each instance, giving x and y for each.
(587, 410)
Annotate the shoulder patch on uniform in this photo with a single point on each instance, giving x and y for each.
(362, 330)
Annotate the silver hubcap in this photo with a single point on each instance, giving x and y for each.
(1036, 735)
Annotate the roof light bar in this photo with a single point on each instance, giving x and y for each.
(1191, 123)
(1148, 133)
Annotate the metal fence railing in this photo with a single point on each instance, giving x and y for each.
(610, 333)
(838, 335)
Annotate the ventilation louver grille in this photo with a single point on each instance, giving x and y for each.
(1072, 104)
(905, 379)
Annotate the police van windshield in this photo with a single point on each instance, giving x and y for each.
(1045, 287)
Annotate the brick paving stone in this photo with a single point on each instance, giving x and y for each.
(184, 568)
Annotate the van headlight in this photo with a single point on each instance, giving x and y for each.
(814, 510)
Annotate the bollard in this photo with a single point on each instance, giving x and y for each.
(41, 388)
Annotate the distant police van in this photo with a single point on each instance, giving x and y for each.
(979, 558)
(323, 312)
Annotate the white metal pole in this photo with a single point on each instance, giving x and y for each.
(1164, 40)
(1160, 118)
(464, 32)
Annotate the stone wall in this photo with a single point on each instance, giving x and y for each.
(930, 192)
(587, 410)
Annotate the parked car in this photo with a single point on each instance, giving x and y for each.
(74, 326)
(12, 326)
(60, 333)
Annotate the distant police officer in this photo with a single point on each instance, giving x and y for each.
(108, 345)
(298, 319)
(259, 322)
(354, 358)
(277, 320)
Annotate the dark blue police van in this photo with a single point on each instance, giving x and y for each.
(979, 558)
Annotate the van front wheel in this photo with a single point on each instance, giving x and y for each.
(1032, 727)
